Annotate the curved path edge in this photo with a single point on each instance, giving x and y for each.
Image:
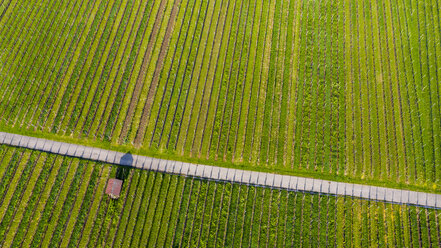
(254, 178)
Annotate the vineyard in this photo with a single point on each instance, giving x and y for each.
(63, 203)
(341, 90)
(346, 88)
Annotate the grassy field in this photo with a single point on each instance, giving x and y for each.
(345, 88)
(62, 202)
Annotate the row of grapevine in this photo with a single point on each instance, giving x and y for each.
(62, 202)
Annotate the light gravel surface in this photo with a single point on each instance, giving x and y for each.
(226, 174)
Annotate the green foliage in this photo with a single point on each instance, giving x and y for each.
(319, 87)
(343, 90)
(157, 208)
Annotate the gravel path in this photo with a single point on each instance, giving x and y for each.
(225, 174)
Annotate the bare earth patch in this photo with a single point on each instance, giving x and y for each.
(152, 90)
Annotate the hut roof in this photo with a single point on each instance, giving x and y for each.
(114, 188)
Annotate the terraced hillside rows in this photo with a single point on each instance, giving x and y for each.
(51, 200)
(329, 87)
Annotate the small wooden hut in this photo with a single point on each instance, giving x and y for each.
(114, 188)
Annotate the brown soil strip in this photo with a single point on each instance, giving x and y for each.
(142, 72)
(146, 111)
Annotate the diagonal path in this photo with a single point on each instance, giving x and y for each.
(294, 183)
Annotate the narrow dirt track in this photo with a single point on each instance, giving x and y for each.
(261, 179)
(152, 90)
